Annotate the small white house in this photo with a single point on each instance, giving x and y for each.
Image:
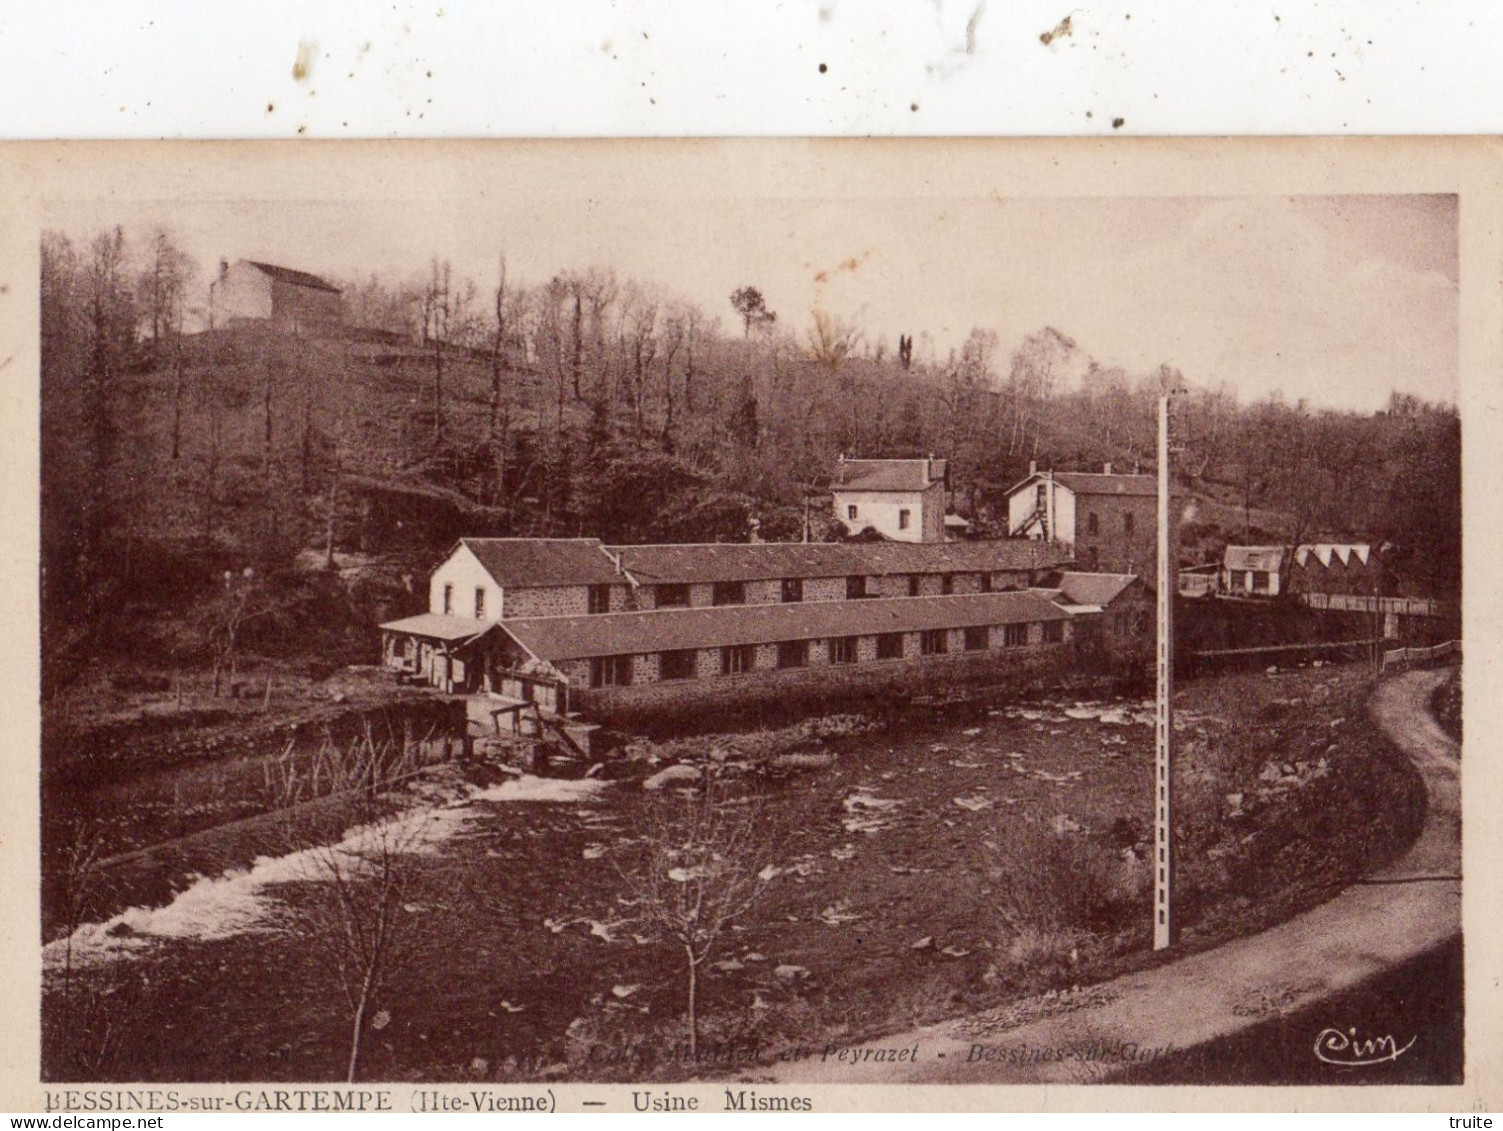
(900, 499)
(1255, 571)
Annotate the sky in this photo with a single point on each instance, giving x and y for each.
(1336, 300)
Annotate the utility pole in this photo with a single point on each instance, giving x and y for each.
(1163, 785)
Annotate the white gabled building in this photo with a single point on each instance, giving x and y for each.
(1108, 521)
(900, 499)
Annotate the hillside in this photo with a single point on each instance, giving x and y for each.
(192, 480)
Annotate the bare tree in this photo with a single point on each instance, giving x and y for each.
(591, 294)
(85, 1013)
(163, 291)
(213, 456)
(436, 311)
(701, 866)
(639, 334)
(498, 343)
(832, 339)
(507, 314)
(674, 335)
(112, 335)
(1035, 371)
(696, 328)
(358, 924)
(244, 600)
(553, 301)
(77, 872)
(272, 364)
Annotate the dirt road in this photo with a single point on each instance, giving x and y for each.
(1398, 913)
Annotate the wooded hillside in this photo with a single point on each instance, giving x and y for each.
(176, 455)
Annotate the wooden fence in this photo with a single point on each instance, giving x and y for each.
(1408, 657)
(1270, 649)
(1363, 603)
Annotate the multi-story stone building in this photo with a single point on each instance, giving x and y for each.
(1109, 522)
(579, 625)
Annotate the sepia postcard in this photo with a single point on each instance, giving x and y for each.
(751, 625)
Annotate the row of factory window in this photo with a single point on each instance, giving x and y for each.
(735, 659)
(675, 595)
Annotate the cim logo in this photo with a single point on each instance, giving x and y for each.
(1345, 1050)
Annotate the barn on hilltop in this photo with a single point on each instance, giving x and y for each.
(250, 291)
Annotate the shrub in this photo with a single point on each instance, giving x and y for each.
(1446, 705)
(1053, 890)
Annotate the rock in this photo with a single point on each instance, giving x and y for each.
(678, 774)
(1234, 804)
(480, 1066)
(120, 930)
(624, 991)
(603, 931)
(790, 973)
(925, 943)
(955, 951)
(810, 761)
(1062, 824)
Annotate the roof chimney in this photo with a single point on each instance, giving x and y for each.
(1106, 468)
(224, 267)
(1033, 467)
(929, 468)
